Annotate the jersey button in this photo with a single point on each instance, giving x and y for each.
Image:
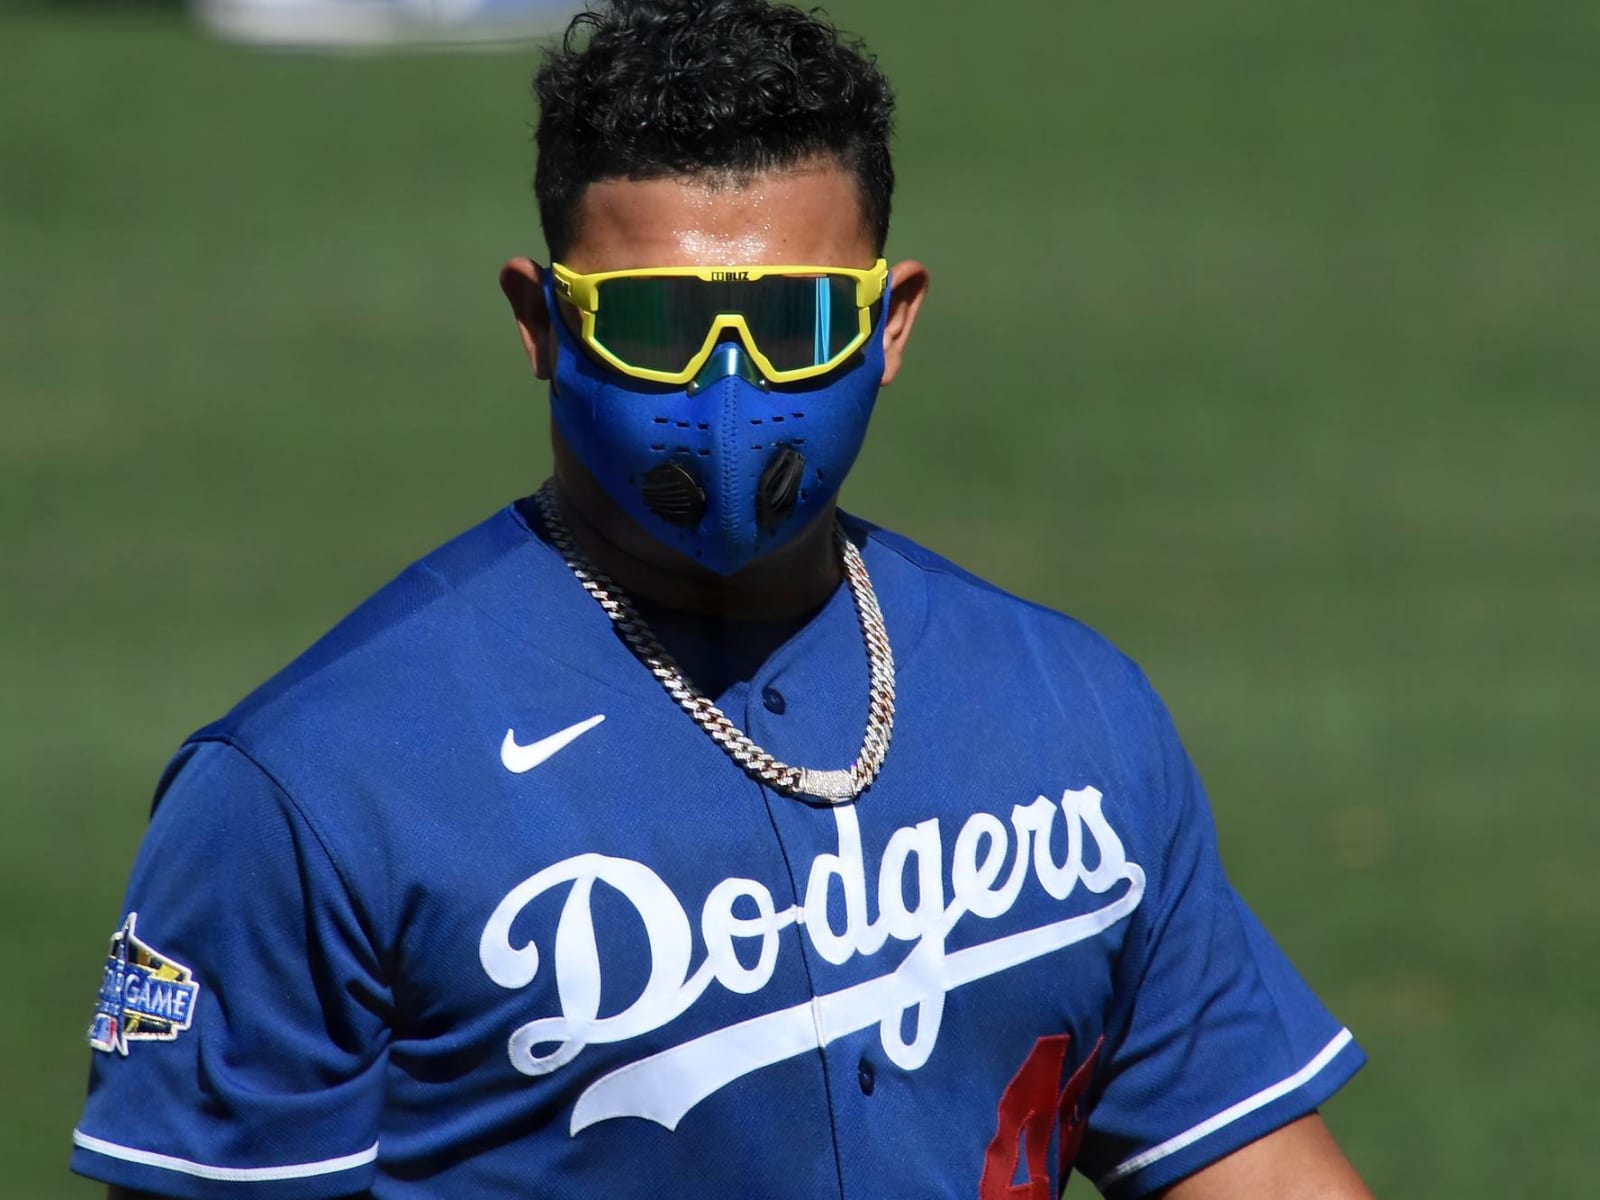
(866, 1078)
(774, 701)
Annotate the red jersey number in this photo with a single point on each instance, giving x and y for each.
(1030, 1111)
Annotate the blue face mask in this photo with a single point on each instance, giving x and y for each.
(728, 468)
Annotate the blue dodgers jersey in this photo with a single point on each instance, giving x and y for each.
(462, 905)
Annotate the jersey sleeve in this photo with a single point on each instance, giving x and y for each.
(240, 1033)
(1220, 1041)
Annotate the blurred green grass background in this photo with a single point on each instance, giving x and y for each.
(1263, 338)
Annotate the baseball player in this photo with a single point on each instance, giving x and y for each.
(670, 833)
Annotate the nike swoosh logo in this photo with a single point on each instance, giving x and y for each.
(518, 759)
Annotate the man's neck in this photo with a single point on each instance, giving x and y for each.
(793, 581)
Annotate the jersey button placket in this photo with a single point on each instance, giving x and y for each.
(866, 1076)
(773, 701)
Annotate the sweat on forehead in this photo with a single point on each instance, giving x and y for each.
(811, 213)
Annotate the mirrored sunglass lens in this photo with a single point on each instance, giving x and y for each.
(801, 322)
(660, 323)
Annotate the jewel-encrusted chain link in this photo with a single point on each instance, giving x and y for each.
(835, 786)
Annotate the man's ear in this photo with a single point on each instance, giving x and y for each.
(522, 281)
(909, 287)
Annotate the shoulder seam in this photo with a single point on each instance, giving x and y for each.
(300, 810)
(932, 563)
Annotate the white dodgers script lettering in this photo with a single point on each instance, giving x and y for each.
(740, 925)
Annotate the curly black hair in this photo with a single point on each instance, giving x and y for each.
(643, 89)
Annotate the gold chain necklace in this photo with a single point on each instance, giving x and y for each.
(838, 786)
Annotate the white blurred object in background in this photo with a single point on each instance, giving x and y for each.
(375, 24)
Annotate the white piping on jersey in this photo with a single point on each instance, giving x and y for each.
(1229, 1115)
(184, 1166)
(979, 885)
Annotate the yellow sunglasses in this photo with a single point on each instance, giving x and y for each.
(664, 323)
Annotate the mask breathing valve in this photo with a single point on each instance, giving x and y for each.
(674, 495)
(779, 487)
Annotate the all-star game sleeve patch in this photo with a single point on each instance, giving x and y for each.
(144, 995)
